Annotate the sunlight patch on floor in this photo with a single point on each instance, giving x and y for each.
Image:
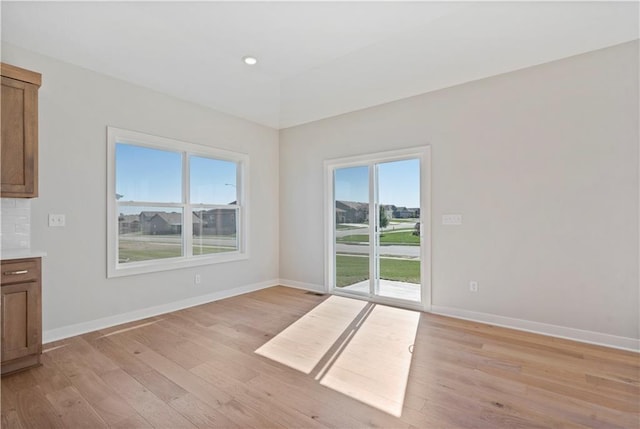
(302, 345)
(374, 367)
(357, 348)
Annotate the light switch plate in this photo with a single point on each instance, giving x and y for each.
(452, 219)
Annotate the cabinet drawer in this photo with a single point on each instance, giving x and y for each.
(19, 271)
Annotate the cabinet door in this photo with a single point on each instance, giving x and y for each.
(19, 139)
(21, 325)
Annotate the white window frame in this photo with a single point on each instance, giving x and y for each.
(117, 269)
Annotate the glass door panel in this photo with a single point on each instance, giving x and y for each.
(352, 232)
(398, 234)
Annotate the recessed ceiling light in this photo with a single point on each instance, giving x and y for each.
(249, 60)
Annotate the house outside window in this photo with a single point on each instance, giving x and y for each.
(173, 204)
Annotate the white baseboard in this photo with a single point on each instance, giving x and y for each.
(583, 336)
(106, 322)
(304, 286)
(574, 334)
(590, 337)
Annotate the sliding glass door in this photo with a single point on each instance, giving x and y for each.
(378, 248)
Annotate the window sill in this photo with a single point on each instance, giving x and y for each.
(145, 267)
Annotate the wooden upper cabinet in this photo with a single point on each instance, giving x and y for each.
(19, 114)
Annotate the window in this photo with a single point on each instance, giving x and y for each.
(172, 204)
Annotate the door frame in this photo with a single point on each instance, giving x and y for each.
(423, 153)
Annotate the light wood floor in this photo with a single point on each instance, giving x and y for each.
(197, 368)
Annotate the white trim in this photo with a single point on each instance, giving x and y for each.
(304, 286)
(574, 334)
(114, 269)
(425, 227)
(591, 337)
(377, 157)
(374, 242)
(187, 215)
(329, 229)
(168, 264)
(132, 316)
(154, 142)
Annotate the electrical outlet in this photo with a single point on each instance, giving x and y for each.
(197, 279)
(57, 220)
(473, 286)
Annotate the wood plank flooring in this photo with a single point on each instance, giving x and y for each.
(198, 368)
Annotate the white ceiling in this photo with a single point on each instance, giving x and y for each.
(316, 59)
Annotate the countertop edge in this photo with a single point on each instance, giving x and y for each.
(7, 255)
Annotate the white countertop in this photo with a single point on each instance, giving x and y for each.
(9, 254)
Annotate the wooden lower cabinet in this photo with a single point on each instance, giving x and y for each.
(21, 314)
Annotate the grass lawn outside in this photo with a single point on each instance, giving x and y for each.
(342, 226)
(129, 254)
(354, 269)
(404, 220)
(205, 250)
(404, 237)
(134, 251)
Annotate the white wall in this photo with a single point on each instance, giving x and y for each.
(543, 165)
(76, 106)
